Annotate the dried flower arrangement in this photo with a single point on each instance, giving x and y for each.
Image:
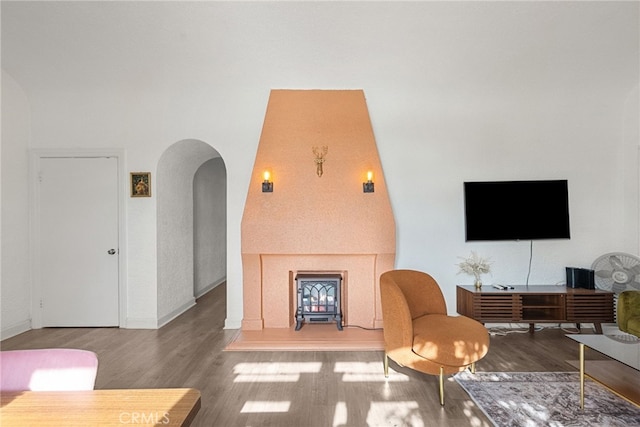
(475, 266)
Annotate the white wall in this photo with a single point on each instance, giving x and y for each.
(456, 91)
(16, 279)
(630, 161)
(210, 226)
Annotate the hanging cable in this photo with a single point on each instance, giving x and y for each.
(530, 261)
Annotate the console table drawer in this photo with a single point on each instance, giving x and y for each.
(489, 307)
(590, 308)
(497, 308)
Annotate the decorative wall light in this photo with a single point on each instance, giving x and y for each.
(267, 185)
(320, 157)
(367, 187)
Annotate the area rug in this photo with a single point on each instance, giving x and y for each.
(546, 399)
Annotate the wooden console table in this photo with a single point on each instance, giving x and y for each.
(536, 304)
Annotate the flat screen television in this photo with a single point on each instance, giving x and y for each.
(516, 210)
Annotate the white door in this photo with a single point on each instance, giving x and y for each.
(78, 251)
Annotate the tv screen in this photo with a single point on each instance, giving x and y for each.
(516, 210)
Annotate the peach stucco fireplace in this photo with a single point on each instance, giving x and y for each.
(311, 223)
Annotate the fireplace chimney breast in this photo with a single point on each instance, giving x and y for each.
(311, 222)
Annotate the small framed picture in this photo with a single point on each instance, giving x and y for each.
(140, 184)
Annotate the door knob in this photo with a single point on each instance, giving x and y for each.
(111, 251)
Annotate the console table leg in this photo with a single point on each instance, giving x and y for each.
(532, 327)
(581, 376)
(441, 381)
(598, 328)
(386, 365)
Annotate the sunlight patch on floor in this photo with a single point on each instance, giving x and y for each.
(403, 413)
(340, 415)
(267, 378)
(252, 407)
(383, 414)
(366, 372)
(264, 368)
(394, 414)
(270, 372)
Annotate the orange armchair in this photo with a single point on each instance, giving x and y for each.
(419, 334)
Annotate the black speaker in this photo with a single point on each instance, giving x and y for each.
(580, 278)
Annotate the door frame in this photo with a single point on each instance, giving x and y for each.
(35, 156)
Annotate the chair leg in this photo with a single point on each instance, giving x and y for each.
(473, 368)
(386, 365)
(441, 386)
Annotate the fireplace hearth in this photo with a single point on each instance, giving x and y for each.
(318, 299)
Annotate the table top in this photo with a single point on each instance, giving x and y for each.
(627, 352)
(532, 289)
(169, 406)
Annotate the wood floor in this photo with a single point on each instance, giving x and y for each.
(290, 388)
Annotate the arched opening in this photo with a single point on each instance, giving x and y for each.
(191, 201)
(209, 226)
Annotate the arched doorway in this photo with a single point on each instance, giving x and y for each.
(191, 229)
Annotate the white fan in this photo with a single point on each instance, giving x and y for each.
(617, 272)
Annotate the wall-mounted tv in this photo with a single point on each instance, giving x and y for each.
(516, 210)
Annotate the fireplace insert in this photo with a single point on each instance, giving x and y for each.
(318, 299)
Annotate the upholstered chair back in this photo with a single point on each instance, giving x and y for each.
(420, 290)
(628, 312)
(53, 369)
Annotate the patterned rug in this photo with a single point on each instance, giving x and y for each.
(546, 399)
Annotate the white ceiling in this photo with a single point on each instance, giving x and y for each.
(136, 45)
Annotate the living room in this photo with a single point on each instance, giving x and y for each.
(455, 91)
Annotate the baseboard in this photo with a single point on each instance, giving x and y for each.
(177, 312)
(210, 287)
(141, 323)
(16, 329)
(232, 323)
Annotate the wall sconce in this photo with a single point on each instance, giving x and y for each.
(267, 186)
(320, 157)
(367, 187)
